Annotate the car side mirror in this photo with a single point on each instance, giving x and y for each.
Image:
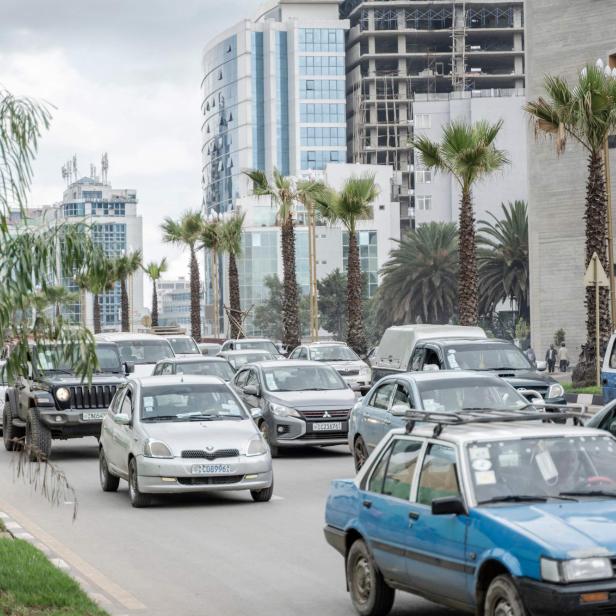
(129, 367)
(355, 386)
(448, 505)
(612, 427)
(256, 413)
(252, 390)
(431, 368)
(400, 410)
(541, 366)
(121, 419)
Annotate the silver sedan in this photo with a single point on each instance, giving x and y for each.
(170, 434)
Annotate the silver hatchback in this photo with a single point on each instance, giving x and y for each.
(170, 434)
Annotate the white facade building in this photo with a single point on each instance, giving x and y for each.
(174, 303)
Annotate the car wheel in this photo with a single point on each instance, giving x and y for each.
(274, 449)
(370, 595)
(38, 437)
(360, 453)
(137, 498)
(503, 599)
(264, 495)
(10, 433)
(109, 482)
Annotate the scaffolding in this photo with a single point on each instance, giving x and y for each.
(458, 46)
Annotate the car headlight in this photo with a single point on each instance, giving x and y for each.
(555, 390)
(256, 447)
(156, 449)
(63, 394)
(576, 570)
(364, 370)
(280, 410)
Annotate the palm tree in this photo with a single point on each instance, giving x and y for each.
(419, 279)
(210, 240)
(351, 204)
(98, 280)
(55, 296)
(154, 270)
(502, 258)
(586, 113)
(186, 232)
(231, 243)
(125, 267)
(284, 193)
(468, 152)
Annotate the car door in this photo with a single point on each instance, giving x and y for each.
(108, 430)
(123, 434)
(377, 418)
(384, 515)
(417, 359)
(436, 552)
(402, 397)
(251, 400)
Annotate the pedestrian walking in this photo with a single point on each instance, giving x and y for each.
(563, 358)
(550, 357)
(530, 353)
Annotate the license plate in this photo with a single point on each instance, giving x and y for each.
(91, 416)
(211, 469)
(327, 426)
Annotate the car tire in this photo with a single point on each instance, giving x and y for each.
(264, 495)
(10, 433)
(503, 598)
(360, 453)
(109, 482)
(370, 595)
(274, 449)
(38, 437)
(137, 498)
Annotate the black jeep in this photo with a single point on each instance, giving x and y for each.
(54, 403)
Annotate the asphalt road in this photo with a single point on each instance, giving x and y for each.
(199, 555)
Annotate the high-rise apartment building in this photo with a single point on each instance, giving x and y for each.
(400, 53)
(174, 303)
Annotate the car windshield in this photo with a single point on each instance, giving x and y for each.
(456, 394)
(262, 345)
(145, 351)
(486, 356)
(190, 403)
(247, 358)
(337, 352)
(567, 467)
(209, 349)
(51, 358)
(221, 369)
(184, 345)
(302, 378)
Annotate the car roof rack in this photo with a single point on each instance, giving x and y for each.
(461, 418)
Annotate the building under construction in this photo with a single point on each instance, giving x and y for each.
(400, 51)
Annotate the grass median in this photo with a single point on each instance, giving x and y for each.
(31, 586)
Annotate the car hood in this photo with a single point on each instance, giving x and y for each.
(233, 434)
(144, 369)
(189, 355)
(105, 378)
(334, 399)
(346, 365)
(524, 378)
(564, 529)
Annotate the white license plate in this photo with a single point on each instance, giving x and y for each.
(91, 416)
(327, 426)
(211, 469)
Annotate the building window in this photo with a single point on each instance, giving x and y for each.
(111, 237)
(282, 103)
(385, 19)
(108, 209)
(423, 176)
(92, 195)
(424, 203)
(321, 88)
(321, 39)
(322, 113)
(318, 159)
(321, 65)
(368, 258)
(423, 120)
(322, 136)
(74, 209)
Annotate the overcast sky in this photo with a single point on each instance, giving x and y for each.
(124, 77)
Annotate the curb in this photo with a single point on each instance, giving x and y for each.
(16, 531)
(585, 399)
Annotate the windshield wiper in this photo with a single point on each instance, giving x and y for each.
(161, 418)
(514, 498)
(61, 370)
(604, 493)
(213, 417)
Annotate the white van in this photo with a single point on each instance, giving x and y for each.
(397, 344)
(143, 351)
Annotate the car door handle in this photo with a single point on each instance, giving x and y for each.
(367, 504)
(604, 381)
(413, 515)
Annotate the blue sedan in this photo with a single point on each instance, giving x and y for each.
(385, 406)
(498, 519)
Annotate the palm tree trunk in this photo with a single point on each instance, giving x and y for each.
(124, 305)
(467, 276)
(96, 314)
(154, 305)
(356, 337)
(216, 293)
(596, 241)
(234, 298)
(195, 296)
(290, 305)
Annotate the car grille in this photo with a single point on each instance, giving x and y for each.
(324, 436)
(94, 397)
(604, 610)
(210, 455)
(540, 390)
(210, 481)
(348, 372)
(342, 414)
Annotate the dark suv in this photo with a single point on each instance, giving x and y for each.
(54, 403)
